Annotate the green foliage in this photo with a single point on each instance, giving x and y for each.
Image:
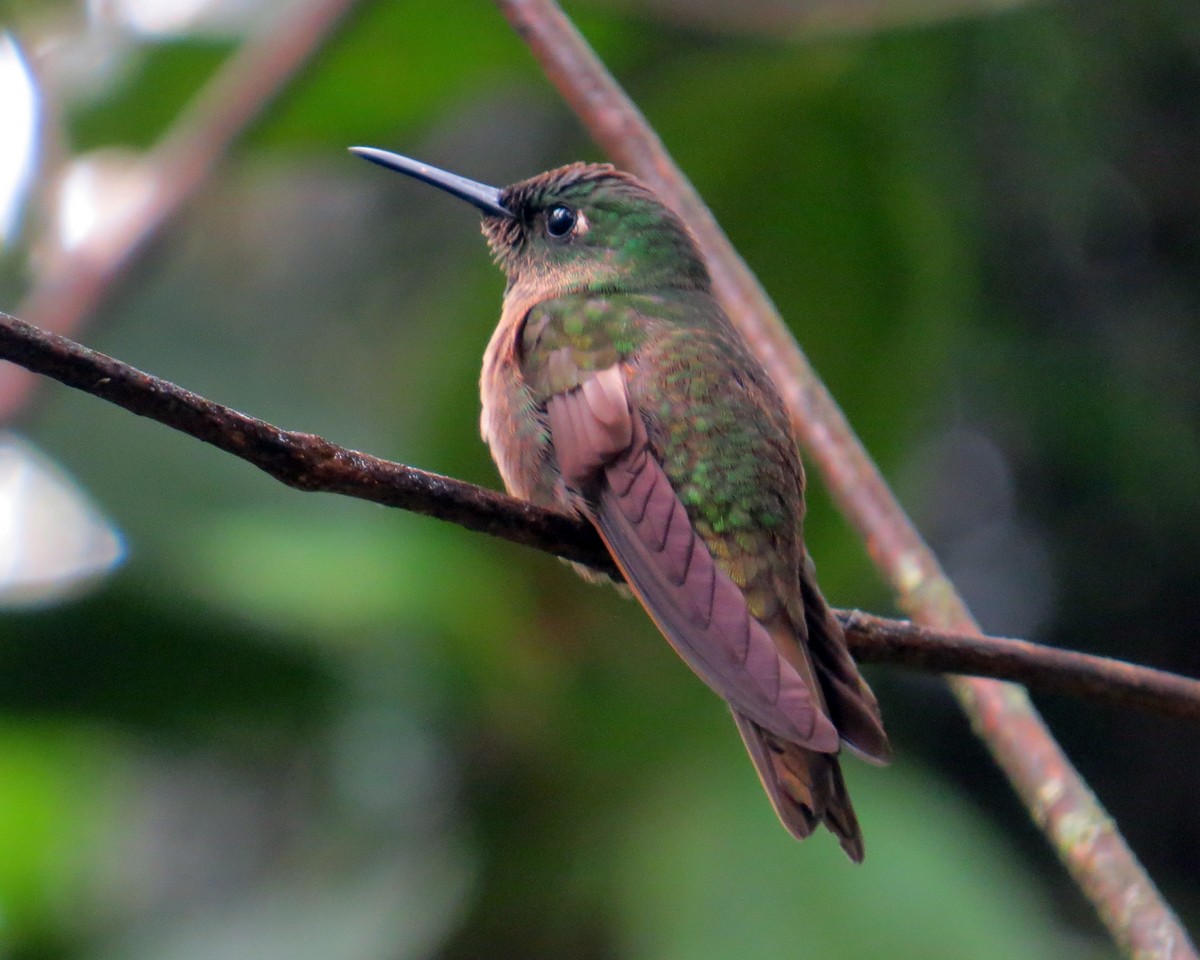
(156, 84)
(58, 784)
(928, 889)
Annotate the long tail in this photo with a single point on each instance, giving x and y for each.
(806, 788)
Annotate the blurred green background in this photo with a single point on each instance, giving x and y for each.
(291, 725)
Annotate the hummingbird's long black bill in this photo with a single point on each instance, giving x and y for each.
(480, 195)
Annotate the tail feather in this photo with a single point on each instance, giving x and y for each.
(805, 787)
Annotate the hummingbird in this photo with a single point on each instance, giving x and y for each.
(617, 389)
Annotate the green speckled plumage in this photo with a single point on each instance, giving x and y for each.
(615, 387)
(726, 449)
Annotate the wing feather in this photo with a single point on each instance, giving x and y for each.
(851, 703)
(699, 609)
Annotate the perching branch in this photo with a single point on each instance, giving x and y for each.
(301, 460)
(308, 462)
(1057, 797)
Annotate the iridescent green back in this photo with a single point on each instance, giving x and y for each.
(713, 417)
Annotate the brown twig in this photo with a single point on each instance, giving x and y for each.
(73, 283)
(1040, 668)
(301, 460)
(1057, 797)
(309, 462)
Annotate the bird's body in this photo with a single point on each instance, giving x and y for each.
(616, 388)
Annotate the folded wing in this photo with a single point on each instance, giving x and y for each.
(603, 452)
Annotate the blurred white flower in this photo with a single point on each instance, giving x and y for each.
(18, 134)
(53, 540)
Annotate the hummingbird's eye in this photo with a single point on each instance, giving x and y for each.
(560, 221)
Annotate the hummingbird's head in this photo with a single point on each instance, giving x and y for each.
(580, 227)
(591, 227)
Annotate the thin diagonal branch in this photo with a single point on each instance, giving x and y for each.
(1059, 800)
(309, 462)
(73, 283)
